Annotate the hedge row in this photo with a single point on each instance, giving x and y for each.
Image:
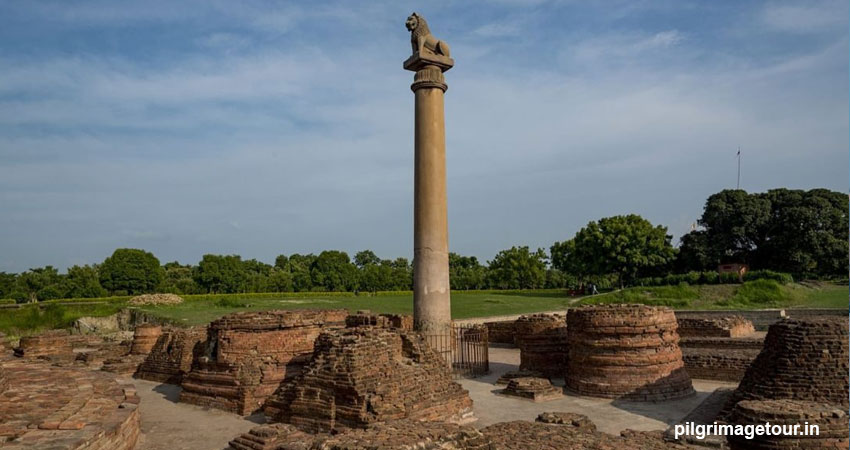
(715, 278)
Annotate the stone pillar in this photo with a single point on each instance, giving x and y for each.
(431, 296)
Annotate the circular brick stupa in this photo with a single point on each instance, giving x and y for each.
(783, 416)
(801, 360)
(625, 351)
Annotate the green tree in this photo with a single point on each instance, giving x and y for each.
(7, 284)
(623, 245)
(333, 271)
(256, 276)
(365, 258)
(518, 268)
(402, 274)
(801, 232)
(178, 279)
(281, 262)
(695, 253)
(43, 283)
(220, 274)
(465, 272)
(131, 271)
(299, 266)
(83, 282)
(280, 280)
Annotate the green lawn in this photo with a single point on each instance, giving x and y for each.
(197, 310)
(464, 305)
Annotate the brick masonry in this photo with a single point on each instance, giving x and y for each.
(542, 341)
(171, 357)
(365, 375)
(248, 354)
(59, 408)
(728, 327)
(801, 360)
(625, 351)
(144, 338)
(532, 388)
(830, 419)
(52, 344)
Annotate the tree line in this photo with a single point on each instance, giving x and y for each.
(803, 233)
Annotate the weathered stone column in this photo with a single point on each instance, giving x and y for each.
(431, 296)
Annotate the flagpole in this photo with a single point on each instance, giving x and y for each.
(739, 168)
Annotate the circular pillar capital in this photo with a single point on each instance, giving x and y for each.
(429, 77)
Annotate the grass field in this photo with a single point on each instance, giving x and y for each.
(197, 310)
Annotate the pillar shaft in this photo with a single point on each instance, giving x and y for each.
(431, 292)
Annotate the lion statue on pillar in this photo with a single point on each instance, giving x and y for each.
(421, 38)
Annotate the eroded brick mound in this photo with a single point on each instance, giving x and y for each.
(248, 354)
(365, 318)
(94, 359)
(125, 365)
(44, 406)
(360, 376)
(830, 419)
(144, 338)
(155, 299)
(625, 351)
(171, 357)
(508, 376)
(732, 326)
(53, 344)
(396, 435)
(565, 418)
(522, 435)
(542, 341)
(801, 360)
(531, 388)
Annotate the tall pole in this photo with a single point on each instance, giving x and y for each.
(738, 186)
(431, 289)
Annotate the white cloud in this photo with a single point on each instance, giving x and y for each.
(806, 17)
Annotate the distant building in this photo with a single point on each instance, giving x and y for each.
(740, 269)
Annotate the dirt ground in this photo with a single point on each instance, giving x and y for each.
(168, 425)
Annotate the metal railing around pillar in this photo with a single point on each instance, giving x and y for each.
(465, 349)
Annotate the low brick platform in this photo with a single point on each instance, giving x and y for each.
(396, 435)
(579, 421)
(364, 375)
(94, 359)
(248, 354)
(49, 407)
(508, 376)
(144, 338)
(577, 433)
(830, 419)
(718, 364)
(171, 357)
(51, 344)
(531, 388)
(731, 326)
(801, 360)
(625, 351)
(502, 332)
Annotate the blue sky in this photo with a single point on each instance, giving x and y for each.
(259, 128)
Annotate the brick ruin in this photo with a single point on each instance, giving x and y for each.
(801, 360)
(542, 341)
(395, 435)
(502, 332)
(107, 351)
(728, 327)
(364, 375)
(45, 406)
(532, 388)
(366, 318)
(54, 344)
(508, 376)
(625, 351)
(830, 419)
(144, 338)
(171, 357)
(248, 354)
(718, 348)
(563, 431)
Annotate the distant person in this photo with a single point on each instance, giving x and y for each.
(593, 290)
